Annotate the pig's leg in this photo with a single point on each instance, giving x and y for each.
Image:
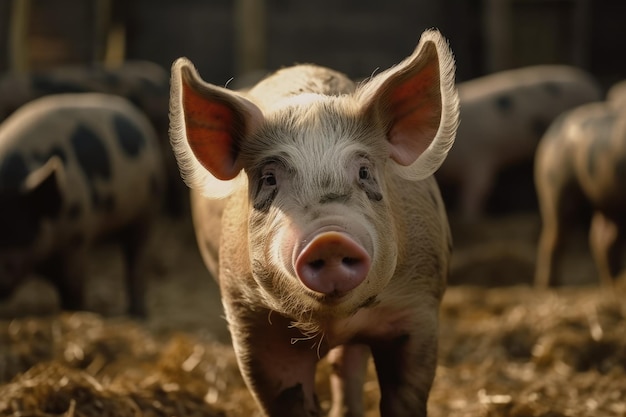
(555, 214)
(277, 362)
(349, 366)
(69, 273)
(134, 248)
(406, 367)
(475, 188)
(606, 245)
(548, 245)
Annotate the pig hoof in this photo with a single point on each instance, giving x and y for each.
(332, 264)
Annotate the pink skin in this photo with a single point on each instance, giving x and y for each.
(332, 263)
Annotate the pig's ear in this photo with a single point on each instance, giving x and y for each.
(417, 103)
(44, 187)
(207, 127)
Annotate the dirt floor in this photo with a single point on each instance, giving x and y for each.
(505, 348)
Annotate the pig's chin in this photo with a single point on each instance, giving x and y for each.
(320, 307)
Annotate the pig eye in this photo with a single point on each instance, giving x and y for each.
(268, 179)
(364, 173)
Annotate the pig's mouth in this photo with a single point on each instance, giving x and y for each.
(330, 299)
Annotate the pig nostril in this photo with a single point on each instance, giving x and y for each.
(350, 261)
(317, 264)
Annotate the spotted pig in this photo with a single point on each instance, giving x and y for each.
(503, 116)
(75, 168)
(334, 238)
(144, 83)
(582, 159)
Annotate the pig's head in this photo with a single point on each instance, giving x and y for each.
(27, 210)
(318, 170)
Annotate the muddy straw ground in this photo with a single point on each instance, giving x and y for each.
(505, 348)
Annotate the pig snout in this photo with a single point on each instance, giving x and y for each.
(332, 263)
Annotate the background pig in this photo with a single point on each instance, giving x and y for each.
(617, 94)
(73, 169)
(143, 83)
(503, 116)
(334, 239)
(582, 158)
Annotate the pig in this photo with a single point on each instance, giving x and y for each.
(503, 116)
(316, 210)
(582, 159)
(617, 94)
(75, 169)
(144, 83)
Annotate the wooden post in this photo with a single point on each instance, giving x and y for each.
(102, 19)
(498, 35)
(250, 36)
(581, 33)
(18, 36)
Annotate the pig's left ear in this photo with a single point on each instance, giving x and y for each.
(44, 187)
(207, 127)
(417, 103)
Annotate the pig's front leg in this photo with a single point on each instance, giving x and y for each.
(134, 247)
(278, 369)
(406, 367)
(607, 242)
(349, 366)
(69, 272)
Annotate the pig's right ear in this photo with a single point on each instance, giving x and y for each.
(207, 127)
(417, 103)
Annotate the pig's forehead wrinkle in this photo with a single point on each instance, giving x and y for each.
(322, 122)
(321, 135)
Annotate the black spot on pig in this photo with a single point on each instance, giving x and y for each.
(93, 158)
(538, 127)
(131, 139)
(553, 89)
(49, 85)
(13, 170)
(152, 87)
(104, 203)
(504, 103)
(74, 211)
(110, 78)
